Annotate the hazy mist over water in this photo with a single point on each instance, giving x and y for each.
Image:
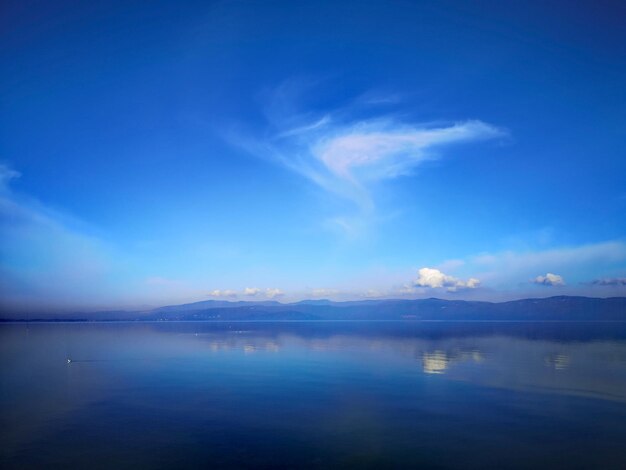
(442, 395)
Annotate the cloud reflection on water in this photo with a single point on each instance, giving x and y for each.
(491, 360)
(437, 362)
(354, 376)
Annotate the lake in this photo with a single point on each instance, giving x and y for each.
(313, 395)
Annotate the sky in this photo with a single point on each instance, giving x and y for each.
(154, 153)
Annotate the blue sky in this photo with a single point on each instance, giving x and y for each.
(166, 152)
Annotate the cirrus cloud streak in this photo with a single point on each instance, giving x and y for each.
(348, 158)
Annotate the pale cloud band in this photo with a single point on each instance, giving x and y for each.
(612, 282)
(577, 262)
(228, 293)
(269, 293)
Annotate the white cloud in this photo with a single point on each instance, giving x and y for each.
(273, 293)
(549, 280)
(223, 293)
(434, 279)
(251, 291)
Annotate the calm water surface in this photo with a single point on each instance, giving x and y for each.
(320, 395)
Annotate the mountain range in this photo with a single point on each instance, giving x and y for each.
(560, 308)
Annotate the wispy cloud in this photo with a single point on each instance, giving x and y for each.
(46, 257)
(387, 149)
(51, 260)
(348, 158)
(6, 175)
(346, 154)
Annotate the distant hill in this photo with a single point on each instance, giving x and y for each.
(562, 308)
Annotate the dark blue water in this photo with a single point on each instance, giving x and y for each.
(320, 395)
